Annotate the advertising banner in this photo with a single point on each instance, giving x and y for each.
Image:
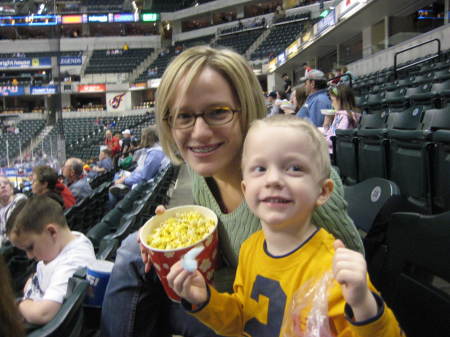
(43, 90)
(138, 86)
(12, 90)
(326, 22)
(25, 62)
(293, 48)
(87, 88)
(70, 61)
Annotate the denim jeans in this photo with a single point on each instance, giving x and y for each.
(135, 303)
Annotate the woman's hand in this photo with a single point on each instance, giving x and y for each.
(189, 285)
(145, 254)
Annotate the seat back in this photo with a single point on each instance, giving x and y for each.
(417, 273)
(440, 185)
(367, 199)
(68, 322)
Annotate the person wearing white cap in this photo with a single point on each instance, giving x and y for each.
(126, 140)
(316, 87)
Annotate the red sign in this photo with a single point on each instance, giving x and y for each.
(92, 88)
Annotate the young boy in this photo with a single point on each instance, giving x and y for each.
(41, 230)
(286, 171)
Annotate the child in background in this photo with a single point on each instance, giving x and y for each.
(346, 113)
(41, 230)
(283, 182)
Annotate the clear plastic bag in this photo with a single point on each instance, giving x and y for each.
(308, 314)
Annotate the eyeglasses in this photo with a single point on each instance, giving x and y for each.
(214, 116)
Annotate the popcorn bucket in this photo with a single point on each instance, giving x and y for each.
(163, 259)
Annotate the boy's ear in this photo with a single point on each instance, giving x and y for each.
(51, 229)
(325, 192)
(243, 186)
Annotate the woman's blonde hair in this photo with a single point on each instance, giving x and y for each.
(186, 67)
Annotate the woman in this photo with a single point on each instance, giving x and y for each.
(346, 113)
(45, 182)
(299, 98)
(112, 142)
(11, 321)
(205, 103)
(8, 201)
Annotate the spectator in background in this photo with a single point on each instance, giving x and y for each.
(104, 164)
(287, 85)
(8, 201)
(306, 68)
(126, 140)
(112, 142)
(45, 182)
(150, 161)
(346, 113)
(274, 101)
(299, 99)
(316, 87)
(11, 322)
(40, 229)
(77, 182)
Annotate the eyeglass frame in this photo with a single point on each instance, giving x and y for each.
(169, 119)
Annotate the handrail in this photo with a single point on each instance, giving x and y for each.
(418, 62)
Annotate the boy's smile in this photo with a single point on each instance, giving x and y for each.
(281, 178)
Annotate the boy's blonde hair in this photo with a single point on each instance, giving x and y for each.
(317, 138)
(186, 67)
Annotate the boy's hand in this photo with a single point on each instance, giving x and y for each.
(190, 286)
(145, 254)
(349, 268)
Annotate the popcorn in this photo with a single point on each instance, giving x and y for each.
(182, 230)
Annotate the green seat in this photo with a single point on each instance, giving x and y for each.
(416, 270)
(440, 171)
(68, 322)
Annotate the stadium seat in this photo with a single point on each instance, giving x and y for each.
(68, 322)
(372, 158)
(417, 274)
(367, 199)
(410, 157)
(440, 171)
(345, 145)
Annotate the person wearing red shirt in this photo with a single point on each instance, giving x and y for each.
(112, 143)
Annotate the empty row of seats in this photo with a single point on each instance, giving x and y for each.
(103, 61)
(411, 148)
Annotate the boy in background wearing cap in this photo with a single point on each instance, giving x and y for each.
(126, 141)
(316, 88)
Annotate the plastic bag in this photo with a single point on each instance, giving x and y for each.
(308, 314)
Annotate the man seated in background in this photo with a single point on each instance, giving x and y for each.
(40, 229)
(317, 89)
(75, 179)
(151, 160)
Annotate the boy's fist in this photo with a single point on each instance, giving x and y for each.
(349, 268)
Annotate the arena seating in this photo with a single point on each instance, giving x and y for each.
(108, 61)
(415, 276)
(280, 36)
(28, 129)
(241, 41)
